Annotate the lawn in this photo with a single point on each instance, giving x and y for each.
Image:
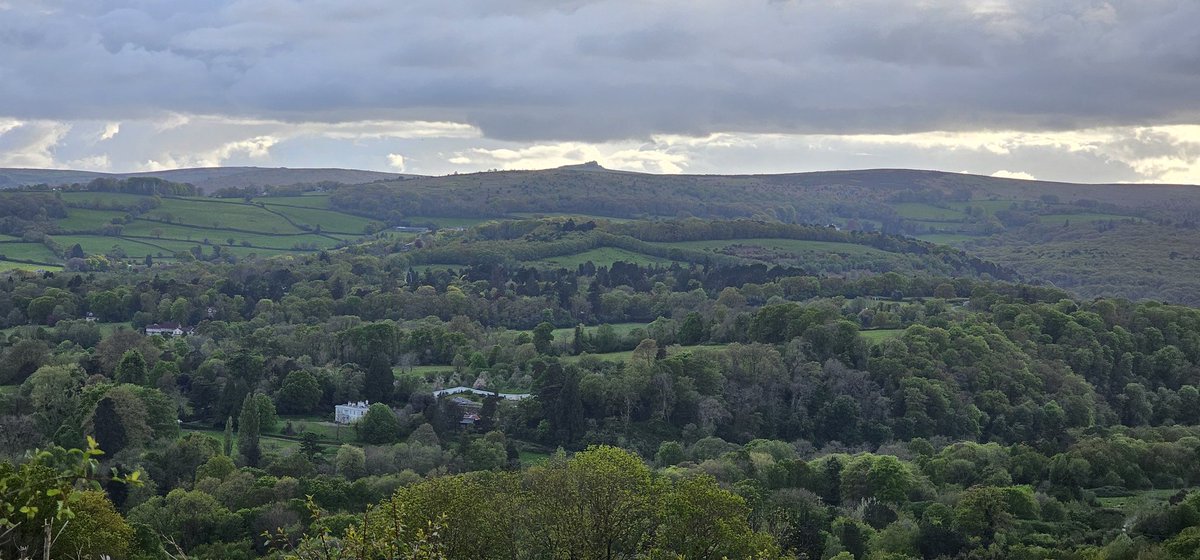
(317, 424)
(622, 330)
(531, 458)
(875, 336)
(604, 256)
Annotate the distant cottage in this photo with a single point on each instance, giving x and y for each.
(168, 329)
(350, 412)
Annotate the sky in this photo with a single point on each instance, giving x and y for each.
(1069, 90)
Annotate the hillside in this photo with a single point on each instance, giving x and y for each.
(206, 179)
(989, 217)
(121, 226)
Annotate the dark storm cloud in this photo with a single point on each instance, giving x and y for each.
(545, 70)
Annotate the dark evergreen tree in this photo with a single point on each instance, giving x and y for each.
(109, 428)
(379, 382)
(248, 431)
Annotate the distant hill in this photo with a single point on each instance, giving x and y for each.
(207, 179)
(1134, 241)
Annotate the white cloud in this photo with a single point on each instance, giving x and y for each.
(31, 143)
(1006, 174)
(622, 155)
(396, 161)
(110, 130)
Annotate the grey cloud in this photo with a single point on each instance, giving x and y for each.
(594, 70)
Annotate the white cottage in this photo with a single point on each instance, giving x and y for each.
(168, 329)
(350, 412)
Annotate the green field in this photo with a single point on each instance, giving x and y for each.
(922, 211)
(625, 355)
(576, 217)
(990, 207)
(622, 330)
(531, 458)
(875, 336)
(319, 201)
(86, 219)
(103, 199)
(1080, 218)
(947, 238)
(213, 213)
(604, 256)
(9, 265)
(796, 246)
(423, 371)
(445, 222)
(328, 220)
(27, 251)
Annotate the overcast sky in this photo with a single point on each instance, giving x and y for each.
(1092, 91)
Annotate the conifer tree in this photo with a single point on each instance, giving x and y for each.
(248, 427)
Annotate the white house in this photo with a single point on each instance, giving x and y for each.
(456, 390)
(350, 412)
(168, 329)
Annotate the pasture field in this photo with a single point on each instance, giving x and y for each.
(329, 220)
(213, 213)
(101, 199)
(86, 219)
(1081, 218)
(318, 201)
(579, 218)
(446, 222)
(28, 251)
(928, 212)
(9, 265)
(604, 256)
(947, 238)
(990, 207)
(283, 242)
(102, 245)
(798, 246)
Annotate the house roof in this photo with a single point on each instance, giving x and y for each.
(164, 326)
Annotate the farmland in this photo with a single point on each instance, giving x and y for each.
(117, 225)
